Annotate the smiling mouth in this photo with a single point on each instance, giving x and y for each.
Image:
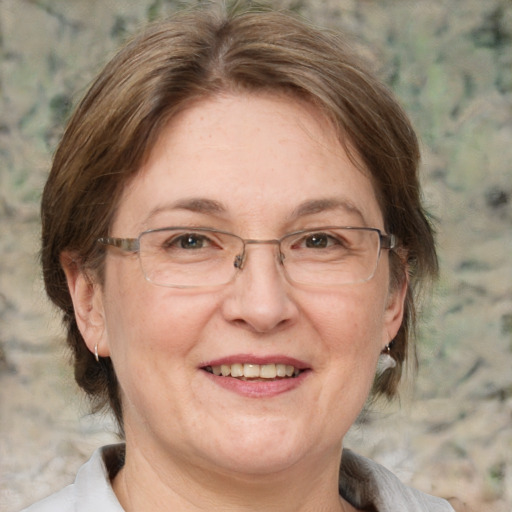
(248, 371)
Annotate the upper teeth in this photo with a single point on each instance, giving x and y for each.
(254, 371)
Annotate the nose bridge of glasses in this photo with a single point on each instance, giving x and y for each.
(240, 259)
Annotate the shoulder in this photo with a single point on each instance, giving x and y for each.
(62, 501)
(91, 490)
(365, 483)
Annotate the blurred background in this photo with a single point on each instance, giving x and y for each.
(450, 64)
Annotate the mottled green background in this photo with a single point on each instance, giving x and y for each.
(450, 63)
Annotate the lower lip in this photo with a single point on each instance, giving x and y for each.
(258, 388)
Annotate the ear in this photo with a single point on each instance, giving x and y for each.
(394, 312)
(87, 300)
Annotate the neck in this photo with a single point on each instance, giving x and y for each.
(151, 484)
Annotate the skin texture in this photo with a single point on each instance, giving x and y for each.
(193, 444)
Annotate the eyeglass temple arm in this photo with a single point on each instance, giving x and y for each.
(125, 244)
(388, 241)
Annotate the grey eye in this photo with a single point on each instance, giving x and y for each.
(188, 241)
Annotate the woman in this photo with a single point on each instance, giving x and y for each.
(233, 230)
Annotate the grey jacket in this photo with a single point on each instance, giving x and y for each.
(364, 484)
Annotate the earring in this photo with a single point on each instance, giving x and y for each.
(386, 360)
(96, 356)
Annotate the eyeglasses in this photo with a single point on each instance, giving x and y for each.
(185, 257)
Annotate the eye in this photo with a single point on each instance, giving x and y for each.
(188, 241)
(320, 241)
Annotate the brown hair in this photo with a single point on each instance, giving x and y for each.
(205, 52)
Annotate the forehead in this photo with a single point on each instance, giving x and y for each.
(260, 159)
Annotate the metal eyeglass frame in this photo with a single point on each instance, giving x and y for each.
(386, 242)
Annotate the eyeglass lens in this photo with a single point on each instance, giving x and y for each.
(203, 257)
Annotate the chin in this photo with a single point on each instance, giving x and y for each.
(263, 448)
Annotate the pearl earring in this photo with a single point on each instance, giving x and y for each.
(386, 361)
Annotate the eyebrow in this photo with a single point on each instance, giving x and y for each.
(212, 207)
(194, 204)
(324, 205)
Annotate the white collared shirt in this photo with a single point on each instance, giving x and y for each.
(363, 483)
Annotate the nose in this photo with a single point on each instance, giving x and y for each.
(259, 298)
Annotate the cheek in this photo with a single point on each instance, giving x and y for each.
(350, 315)
(350, 325)
(131, 310)
(144, 321)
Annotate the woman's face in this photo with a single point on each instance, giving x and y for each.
(259, 167)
